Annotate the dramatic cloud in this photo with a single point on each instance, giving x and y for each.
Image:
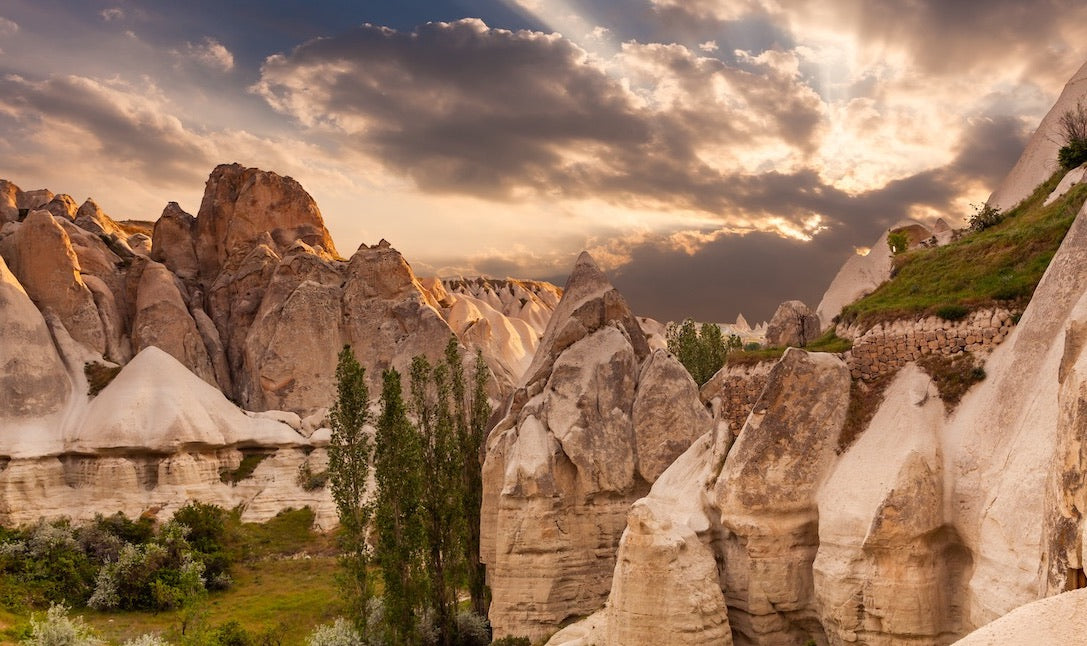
(211, 53)
(463, 108)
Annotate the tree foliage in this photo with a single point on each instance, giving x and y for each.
(349, 454)
(1072, 125)
(702, 350)
(898, 242)
(428, 474)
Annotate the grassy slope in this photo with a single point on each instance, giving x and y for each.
(1002, 263)
(284, 582)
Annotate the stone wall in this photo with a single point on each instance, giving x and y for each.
(731, 393)
(889, 346)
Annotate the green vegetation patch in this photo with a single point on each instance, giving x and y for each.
(99, 375)
(952, 375)
(249, 463)
(1000, 264)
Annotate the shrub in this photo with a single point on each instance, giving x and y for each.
(701, 350)
(898, 242)
(1073, 129)
(49, 563)
(147, 640)
(157, 576)
(512, 641)
(751, 346)
(472, 629)
(952, 312)
(952, 375)
(985, 216)
(310, 480)
(58, 629)
(338, 633)
(99, 375)
(207, 537)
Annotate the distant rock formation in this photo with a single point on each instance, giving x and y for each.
(793, 325)
(584, 435)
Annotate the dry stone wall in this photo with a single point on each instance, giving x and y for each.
(733, 391)
(888, 346)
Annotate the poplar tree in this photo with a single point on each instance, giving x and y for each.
(398, 529)
(349, 453)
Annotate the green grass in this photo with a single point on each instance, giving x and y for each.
(1001, 264)
(245, 469)
(284, 581)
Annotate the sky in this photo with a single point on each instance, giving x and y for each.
(716, 157)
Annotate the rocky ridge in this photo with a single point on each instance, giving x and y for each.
(251, 298)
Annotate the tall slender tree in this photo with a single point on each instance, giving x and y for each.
(349, 453)
(398, 527)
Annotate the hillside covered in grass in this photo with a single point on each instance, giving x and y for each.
(998, 265)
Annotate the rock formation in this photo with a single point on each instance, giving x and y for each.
(250, 297)
(40, 255)
(582, 438)
(504, 319)
(858, 277)
(793, 325)
(1039, 159)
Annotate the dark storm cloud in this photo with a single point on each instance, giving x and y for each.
(492, 113)
(753, 273)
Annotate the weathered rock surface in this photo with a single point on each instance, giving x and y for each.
(568, 458)
(793, 325)
(858, 277)
(504, 319)
(241, 205)
(154, 438)
(161, 319)
(33, 380)
(890, 568)
(172, 242)
(1039, 159)
(722, 547)
(40, 255)
(765, 495)
(1061, 619)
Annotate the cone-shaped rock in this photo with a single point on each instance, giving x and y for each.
(566, 461)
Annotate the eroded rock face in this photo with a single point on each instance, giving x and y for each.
(33, 380)
(793, 325)
(503, 319)
(722, 547)
(890, 567)
(162, 320)
(291, 348)
(666, 559)
(172, 242)
(40, 255)
(241, 204)
(566, 461)
(765, 495)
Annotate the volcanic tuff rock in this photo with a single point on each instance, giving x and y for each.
(504, 319)
(926, 527)
(33, 382)
(40, 255)
(250, 297)
(1039, 159)
(578, 443)
(793, 325)
(734, 529)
